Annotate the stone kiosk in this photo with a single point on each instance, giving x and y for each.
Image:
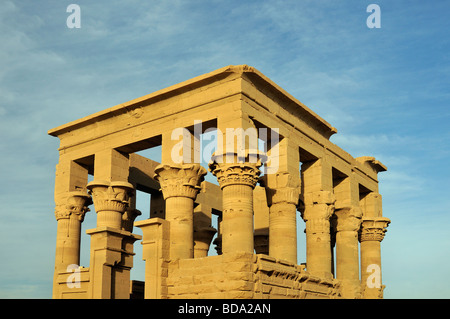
(261, 191)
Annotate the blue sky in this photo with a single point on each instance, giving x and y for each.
(386, 90)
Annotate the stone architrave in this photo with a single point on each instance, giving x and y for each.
(180, 184)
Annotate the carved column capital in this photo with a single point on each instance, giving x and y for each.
(373, 229)
(236, 173)
(61, 213)
(347, 219)
(77, 204)
(110, 196)
(233, 170)
(180, 180)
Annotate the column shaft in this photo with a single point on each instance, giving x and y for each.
(283, 191)
(68, 241)
(347, 266)
(370, 236)
(237, 181)
(179, 211)
(283, 231)
(203, 231)
(261, 220)
(318, 253)
(73, 241)
(318, 200)
(319, 207)
(370, 263)
(70, 177)
(68, 235)
(347, 223)
(237, 223)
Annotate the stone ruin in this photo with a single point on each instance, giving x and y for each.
(259, 193)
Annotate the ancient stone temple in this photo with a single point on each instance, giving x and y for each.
(278, 175)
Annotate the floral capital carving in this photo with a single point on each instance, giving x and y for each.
(237, 173)
(110, 196)
(373, 229)
(77, 205)
(180, 180)
(230, 169)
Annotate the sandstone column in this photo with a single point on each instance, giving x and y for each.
(111, 201)
(318, 208)
(371, 235)
(203, 231)
(282, 183)
(71, 201)
(237, 181)
(283, 223)
(180, 184)
(347, 224)
(373, 229)
(236, 163)
(69, 225)
(261, 220)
